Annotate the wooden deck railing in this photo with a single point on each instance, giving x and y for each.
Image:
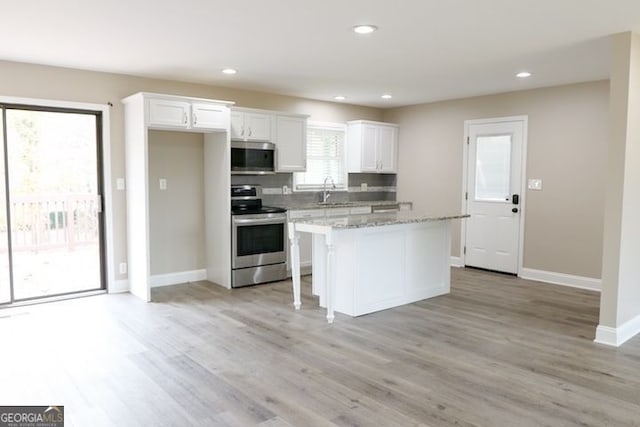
(40, 222)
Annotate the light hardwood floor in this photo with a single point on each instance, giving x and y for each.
(497, 351)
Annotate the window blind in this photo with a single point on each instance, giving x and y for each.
(325, 158)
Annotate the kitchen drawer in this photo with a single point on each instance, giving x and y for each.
(307, 213)
(360, 210)
(337, 211)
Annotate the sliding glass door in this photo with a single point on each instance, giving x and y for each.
(51, 195)
(5, 264)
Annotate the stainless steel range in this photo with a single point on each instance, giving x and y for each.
(258, 238)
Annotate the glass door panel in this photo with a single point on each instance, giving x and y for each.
(54, 202)
(5, 272)
(493, 168)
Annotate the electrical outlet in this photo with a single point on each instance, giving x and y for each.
(120, 184)
(285, 189)
(163, 183)
(363, 186)
(535, 184)
(123, 268)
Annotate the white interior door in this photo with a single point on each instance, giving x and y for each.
(494, 170)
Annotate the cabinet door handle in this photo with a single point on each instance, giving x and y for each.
(195, 118)
(241, 130)
(249, 131)
(184, 118)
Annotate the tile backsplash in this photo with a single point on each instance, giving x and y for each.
(379, 187)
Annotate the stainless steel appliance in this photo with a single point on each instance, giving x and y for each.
(253, 158)
(258, 238)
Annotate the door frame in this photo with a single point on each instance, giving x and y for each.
(523, 182)
(105, 166)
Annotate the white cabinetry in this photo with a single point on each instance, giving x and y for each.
(144, 111)
(172, 114)
(372, 147)
(209, 116)
(248, 125)
(291, 143)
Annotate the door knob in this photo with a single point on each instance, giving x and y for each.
(514, 210)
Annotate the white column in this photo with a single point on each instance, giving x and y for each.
(620, 297)
(294, 238)
(329, 279)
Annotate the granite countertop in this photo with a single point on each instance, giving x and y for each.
(378, 219)
(334, 205)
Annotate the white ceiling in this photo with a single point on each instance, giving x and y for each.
(424, 50)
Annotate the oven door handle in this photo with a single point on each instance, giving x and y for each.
(260, 221)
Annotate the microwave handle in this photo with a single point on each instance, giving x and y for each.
(260, 221)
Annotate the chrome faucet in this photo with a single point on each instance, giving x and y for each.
(325, 193)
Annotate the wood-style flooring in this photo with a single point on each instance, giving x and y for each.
(497, 351)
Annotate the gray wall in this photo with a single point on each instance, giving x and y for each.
(176, 214)
(567, 149)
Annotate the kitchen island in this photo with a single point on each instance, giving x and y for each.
(367, 263)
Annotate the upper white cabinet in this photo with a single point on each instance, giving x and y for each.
(247, 125)
(287, 131)
(372, 147)
(169, 113)
(175, 114)
(209, 116)
(291, 143)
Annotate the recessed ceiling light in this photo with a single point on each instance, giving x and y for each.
(364, 29)
(386, 96)
(229, 71)
(523, 74)
(339, 97)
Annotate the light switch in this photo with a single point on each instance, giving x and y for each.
(163, 183)
(120, 184)
(535, 184)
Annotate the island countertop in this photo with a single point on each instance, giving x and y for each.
(336, 205)
(378, 219)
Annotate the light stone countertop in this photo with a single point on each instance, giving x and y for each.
(335, 205)
(378, 219)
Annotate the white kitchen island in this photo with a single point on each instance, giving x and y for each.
(367, 263)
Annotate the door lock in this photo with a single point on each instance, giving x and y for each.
(514, 210)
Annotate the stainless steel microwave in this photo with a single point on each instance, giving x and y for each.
(253, 158)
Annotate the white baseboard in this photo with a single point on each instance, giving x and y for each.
(617, 336)
(119, 286)
(561, 279)
(176, 278)
(455, 261)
